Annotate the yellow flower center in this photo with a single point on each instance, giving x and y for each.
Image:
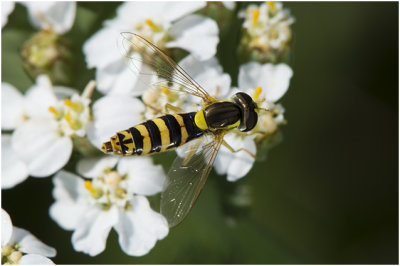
(10, 254)
(75, 124)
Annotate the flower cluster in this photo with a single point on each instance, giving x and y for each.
(19, 246)
(267, 31)
(51, 114)
(113, 196)
(46, 125)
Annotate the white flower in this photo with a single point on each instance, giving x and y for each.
(267, 83)
(268, 25)
(44, 121)
(114, 197)
(6, 8)
(19, 246)
(57, 16)
(273, 79)
(167, 24)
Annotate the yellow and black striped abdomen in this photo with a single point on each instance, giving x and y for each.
(156, 135)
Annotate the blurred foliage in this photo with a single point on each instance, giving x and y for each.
(327, 194)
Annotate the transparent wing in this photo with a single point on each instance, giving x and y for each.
(187, 177)
(147, 59)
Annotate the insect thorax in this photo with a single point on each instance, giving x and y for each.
(220, 115)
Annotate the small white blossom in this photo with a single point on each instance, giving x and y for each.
(18, 246)
(44, 121)
(56, 16)
(166, 24)
(113, 197)
(268, 25)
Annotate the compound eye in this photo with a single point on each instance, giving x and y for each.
(247, 106)
(249, 121)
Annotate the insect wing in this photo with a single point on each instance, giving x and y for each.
(187, 177)
(147, 59)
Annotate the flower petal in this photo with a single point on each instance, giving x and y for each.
(140, 228)
(58, 16)
(273, 79)
(30, 244)
(34, 259)
(145, 178)
(117, 78)
(177, 10)
(114, 113)
(235, 165)
(13, 170)
(69, 206)
(39, 145)
(94, 167)
(91, 234)
(39, 97)
(196, 34)
(12, 107)
(6, 227)
(100, 44)
(132, 13)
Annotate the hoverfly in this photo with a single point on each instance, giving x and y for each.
(187, 175)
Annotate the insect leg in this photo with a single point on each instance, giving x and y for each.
(249, 133)
(170, 107)
(229, 147)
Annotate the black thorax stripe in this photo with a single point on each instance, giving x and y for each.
(191, 128)
(174, 128)
(138, 139)
(154, 134)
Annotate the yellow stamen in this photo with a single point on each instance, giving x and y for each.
(257, 93)
(76, 106)
(54, 111)
(152, 25)
(73, 123)
(91, 189)
(256, 14)
(271, 6)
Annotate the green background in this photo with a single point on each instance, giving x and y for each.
(328, 193)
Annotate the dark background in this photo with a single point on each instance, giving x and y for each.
(328, 193)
